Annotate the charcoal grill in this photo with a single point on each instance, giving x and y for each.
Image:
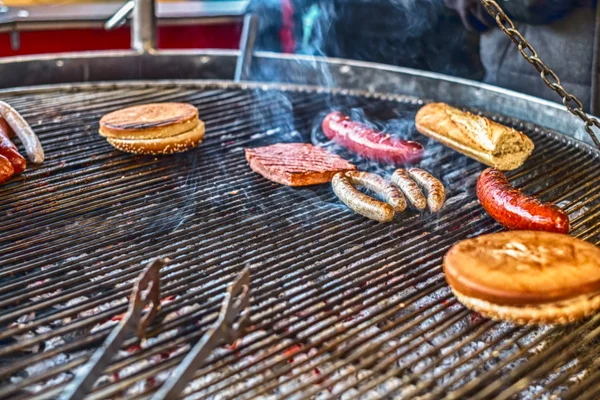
(342, 306)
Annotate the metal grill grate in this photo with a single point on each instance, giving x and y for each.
(342, 306)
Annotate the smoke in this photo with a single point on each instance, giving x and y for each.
(421, 34)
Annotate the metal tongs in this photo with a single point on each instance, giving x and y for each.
(146, 293)
(232, 319)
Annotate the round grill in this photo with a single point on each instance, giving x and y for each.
(342, 306)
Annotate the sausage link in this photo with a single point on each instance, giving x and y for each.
(515, 210)
(360, 202)
(369, 143)
(436, 194)
(6, 169)
(30, 141)
(9, 150)
(390, 193)
(410, 189)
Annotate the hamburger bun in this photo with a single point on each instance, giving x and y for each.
(149, 121)
(162, 145)
(158, 128)
(526, 277)
(475, 136)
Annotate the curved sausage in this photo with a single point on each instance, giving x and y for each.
(360, 202)
(390, 193)
(410, 189)
(515, 210)
(30, 141)
(436, 194)
(368, 142)
(9, 150)
(6, 169)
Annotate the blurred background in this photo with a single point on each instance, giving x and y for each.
(454, 37)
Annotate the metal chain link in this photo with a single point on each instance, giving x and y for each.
(571, 102)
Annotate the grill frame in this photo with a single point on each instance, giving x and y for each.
(554, 141)
(287, 69)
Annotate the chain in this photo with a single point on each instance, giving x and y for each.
(572, 103)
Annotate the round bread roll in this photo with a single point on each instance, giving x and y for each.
(149, 121)
(165, 145)
(526, 277)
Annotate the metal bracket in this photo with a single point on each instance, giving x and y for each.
(247, 40)
(143, 23)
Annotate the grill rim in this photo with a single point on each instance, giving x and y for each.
(546, 134)
(217, 84)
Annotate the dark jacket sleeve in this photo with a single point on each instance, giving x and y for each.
(537, 11)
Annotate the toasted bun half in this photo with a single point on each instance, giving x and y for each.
(526, 276)
(478, 137)
(149, 121)
(167, 145)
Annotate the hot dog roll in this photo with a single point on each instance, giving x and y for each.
(478, 137)
(6, 169)
(436, 194)
(410, 189)
(32, 144)
(9, 150)
(390, 193)
(360, 202)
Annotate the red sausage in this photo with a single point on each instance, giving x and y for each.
(368, 142)
(9, 150)
(515, 210)
(6, 169)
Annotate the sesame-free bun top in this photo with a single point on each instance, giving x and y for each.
(523, 267)
(149, 121)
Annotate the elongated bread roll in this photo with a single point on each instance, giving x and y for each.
(484, 140)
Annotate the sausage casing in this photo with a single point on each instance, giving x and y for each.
(6, 169)
(30, 141)
(436, 194)
(360, 202)
(515, 210)
(390, 193)
(369, 143)
(9, 150)
(410, 189)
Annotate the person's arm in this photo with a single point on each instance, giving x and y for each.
(475, 17)
(537, 11)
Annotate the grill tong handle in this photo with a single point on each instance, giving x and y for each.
(233, 318)
(146, 292)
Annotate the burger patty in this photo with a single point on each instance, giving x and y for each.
(296, 164)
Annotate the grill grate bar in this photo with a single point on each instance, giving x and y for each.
(401, 372)
(212, 382)
(553, 349)
(460, 314)
(311, 258)
(12, 271)
(422, 386)
(543, 366)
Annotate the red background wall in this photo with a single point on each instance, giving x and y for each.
(221, 36)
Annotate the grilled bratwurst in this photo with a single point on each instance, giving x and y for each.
(411, 190)
(436, 194)
(343, 187)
